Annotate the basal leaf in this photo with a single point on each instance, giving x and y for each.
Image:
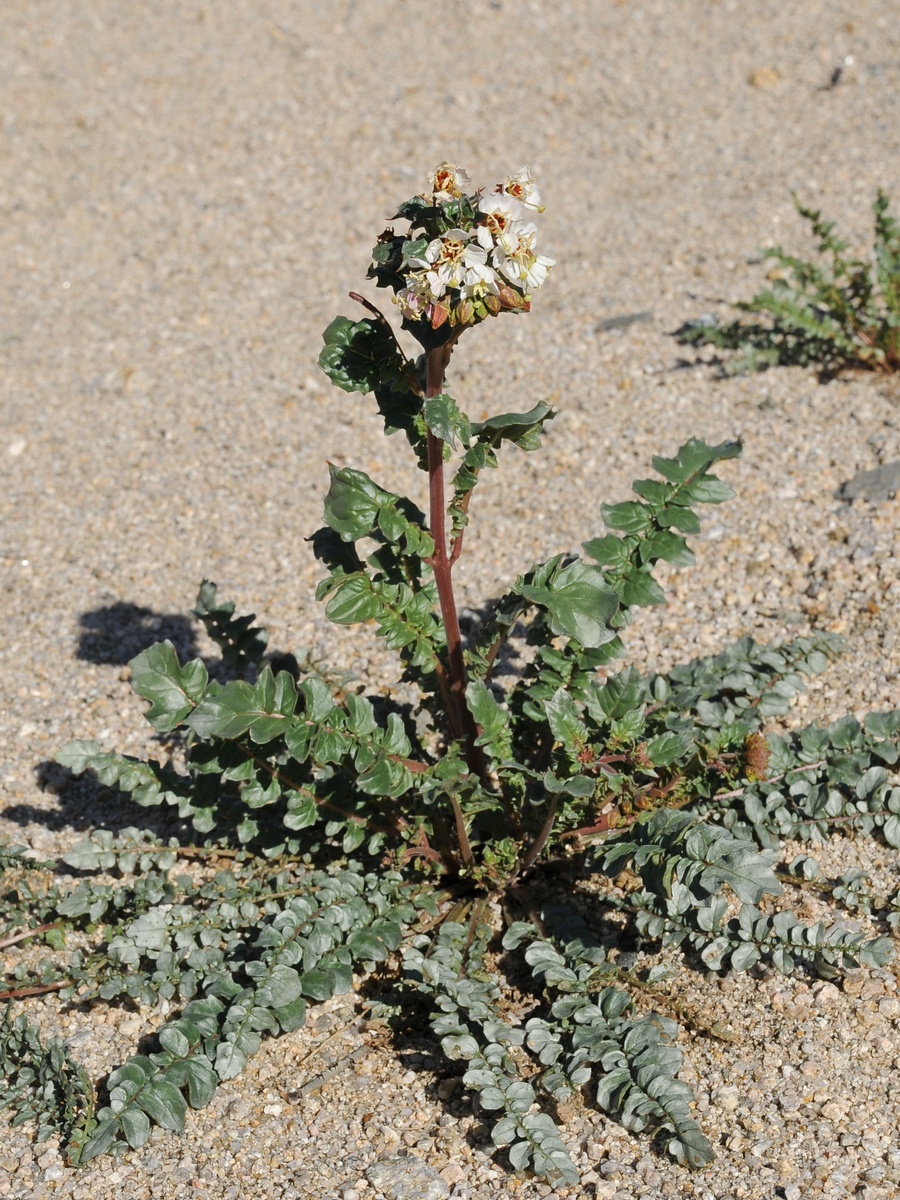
(164, 1103)
(136, 1127)
(202, 1081)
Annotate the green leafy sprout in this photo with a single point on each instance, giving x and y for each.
(837, 313)
(326, 830)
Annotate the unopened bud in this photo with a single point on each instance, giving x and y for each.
(465, 313)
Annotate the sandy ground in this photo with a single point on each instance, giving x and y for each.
(188, 191)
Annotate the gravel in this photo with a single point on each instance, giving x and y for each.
(188, 192)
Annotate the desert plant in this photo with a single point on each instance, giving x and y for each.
(841, 312)
(335, 829)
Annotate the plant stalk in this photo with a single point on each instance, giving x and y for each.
(462, 724)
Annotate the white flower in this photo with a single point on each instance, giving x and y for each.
(521, 186)
(447, 182)
(478, 279)
(446, 258)
(515, 258)
(500, 212)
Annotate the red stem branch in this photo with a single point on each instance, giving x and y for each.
(28, 933)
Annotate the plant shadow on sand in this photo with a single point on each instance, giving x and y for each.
(113, 634)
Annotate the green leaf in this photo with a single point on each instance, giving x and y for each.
(695, 1149)
(356, 507)
(383, 777)
(693, 458)
(631, 516)
(292, 1016)
(202, 1081)
(747, 873)
(677, 517)
(570, 785)
(667, 747)
(877, 953)
(354, 836)
(319, 702)
(516, 933)
(263, 709)
(709, 490)
(230, 1060)
(620, 694)
(445, 421)
(173, 690)
(318, 985)
(565, 721)
(640, 589)
(359, 356)
(492, 720)
(85, 855)
(282, 987)
(353, 601)
(102, 1140)
(367, 946)
(171, 1038)
(883, 725)
(353, 502)
(164, 1103)
(579, 603)
(136, 1126)
(524, 429)
(668, 546)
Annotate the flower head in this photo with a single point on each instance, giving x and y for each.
(467, 255)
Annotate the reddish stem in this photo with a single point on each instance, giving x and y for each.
(40, 990)
(462, 724)
(28, 933)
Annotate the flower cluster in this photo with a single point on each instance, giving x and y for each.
(467, 256)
